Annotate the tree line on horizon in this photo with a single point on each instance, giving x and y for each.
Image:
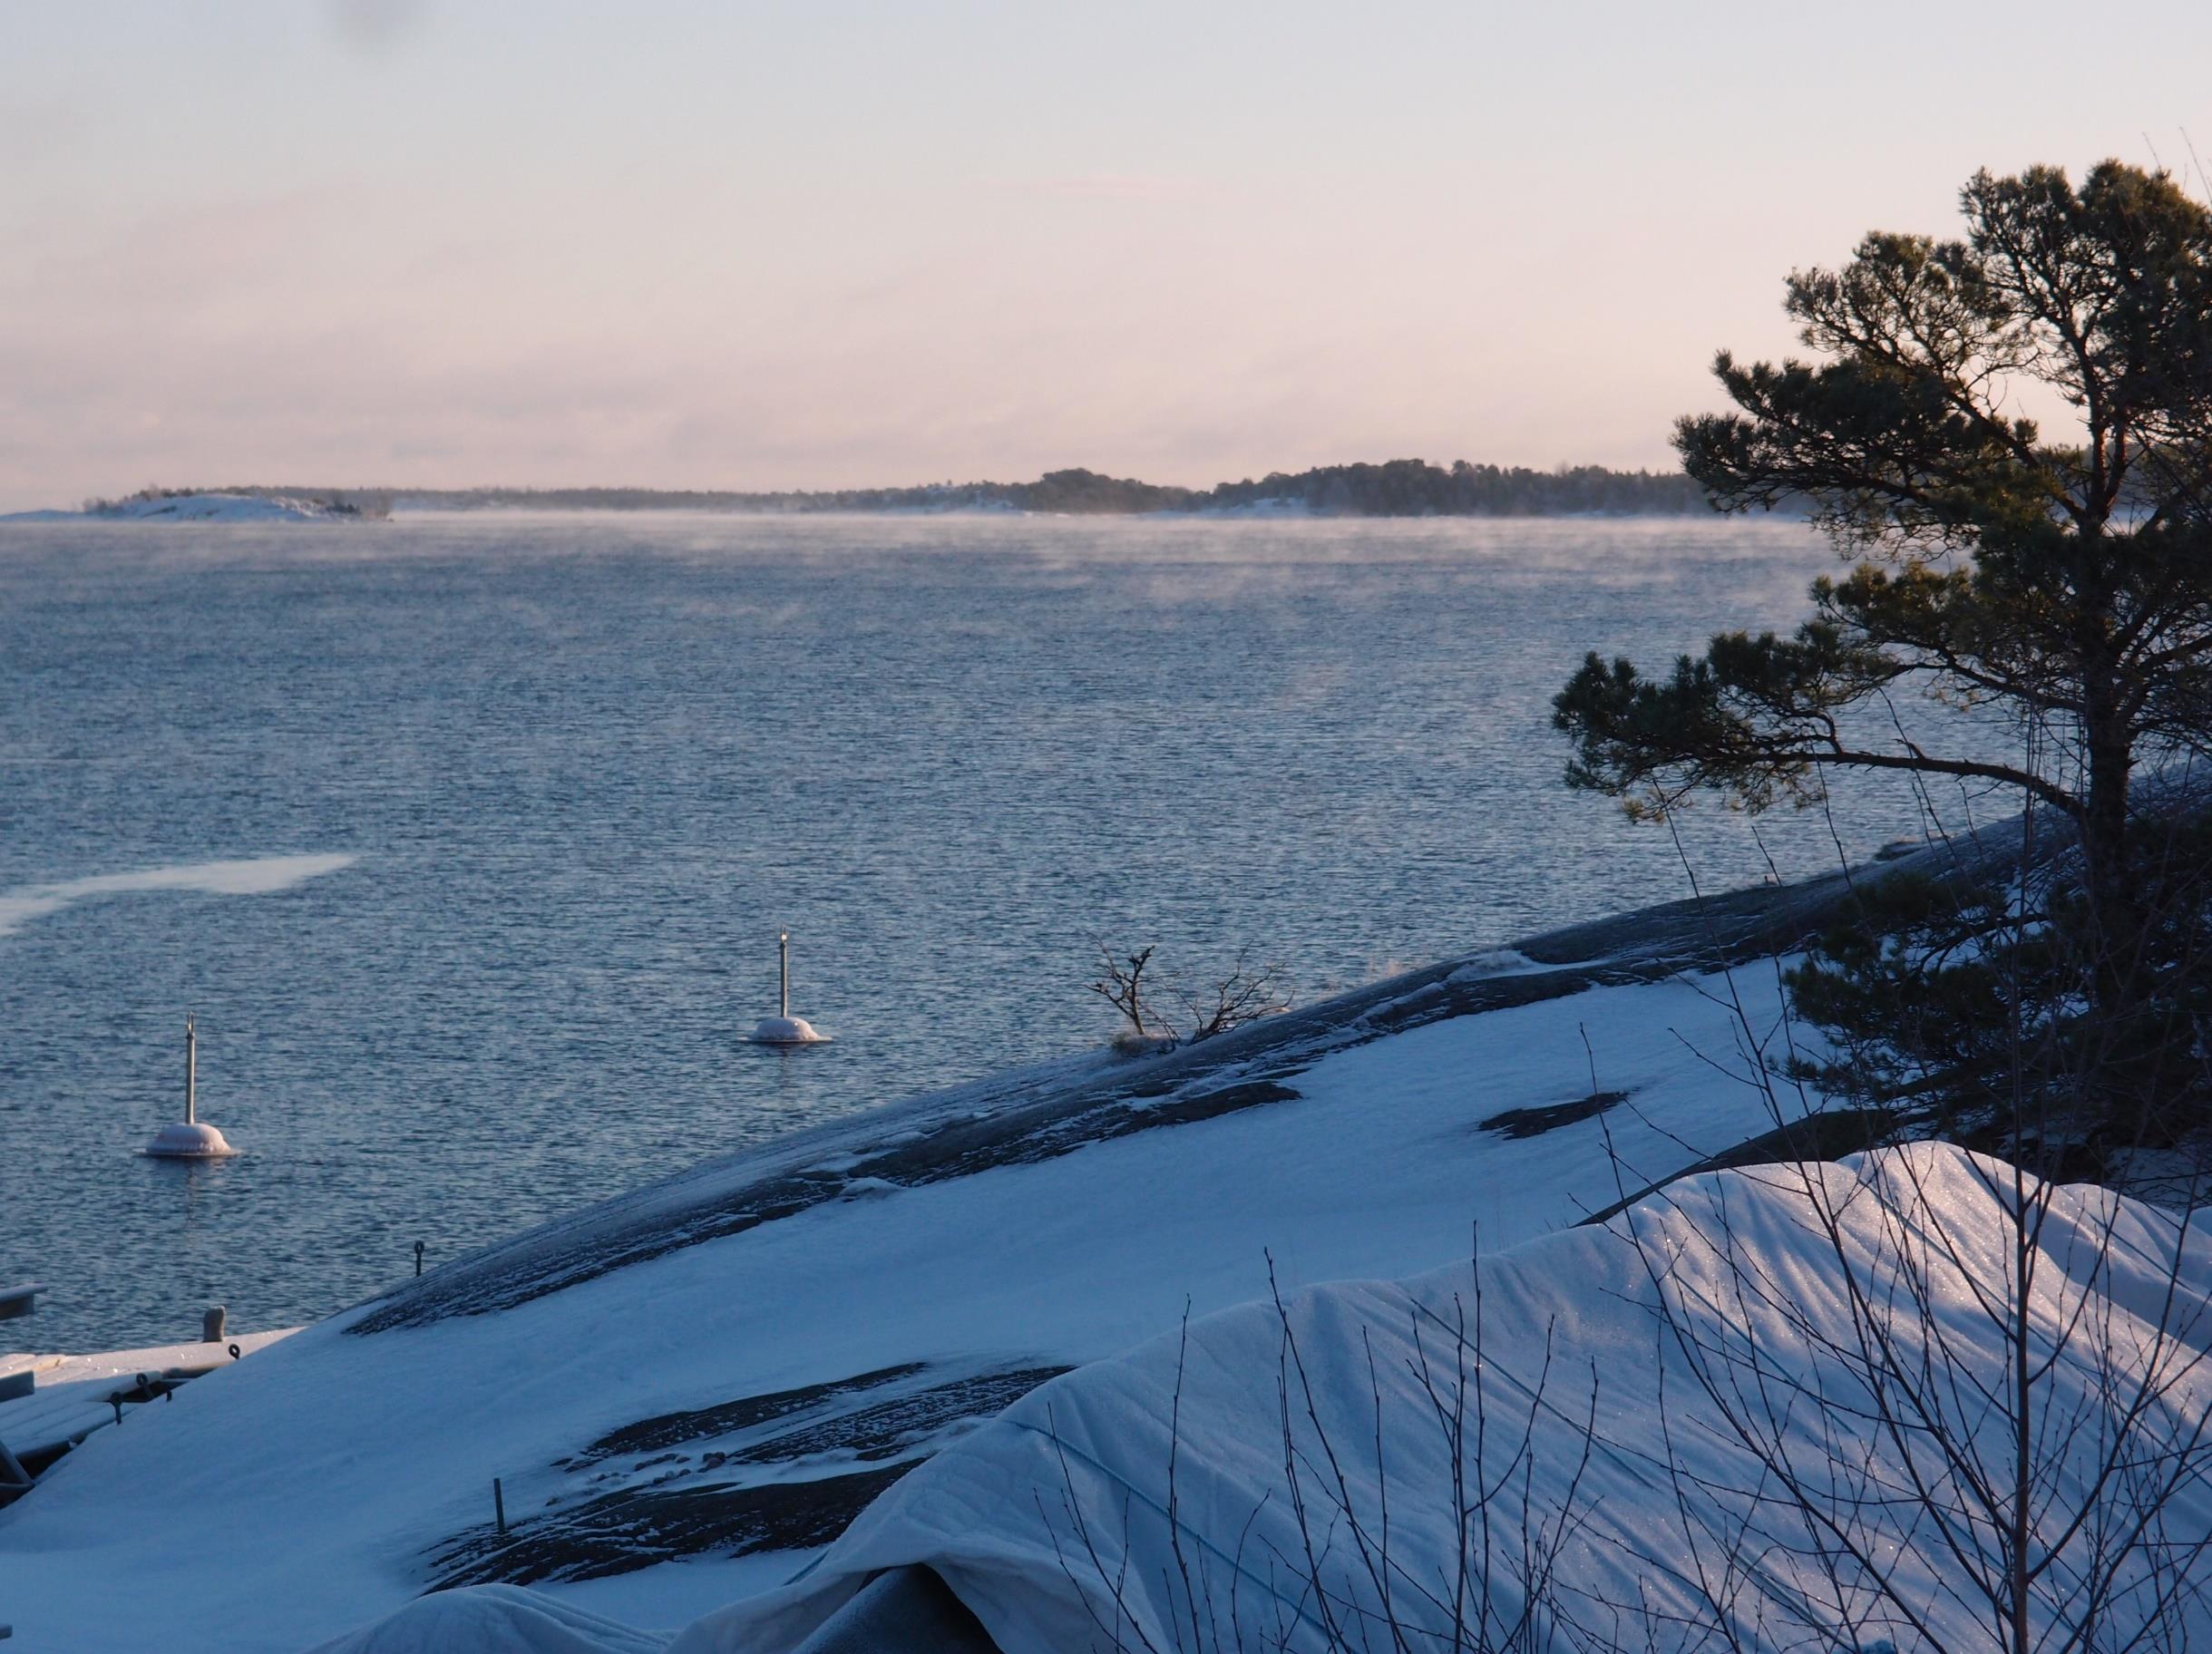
(1394, 488)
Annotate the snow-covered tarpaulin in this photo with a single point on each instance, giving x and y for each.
(1527, 1444)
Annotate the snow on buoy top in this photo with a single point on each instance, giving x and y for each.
(190, 1140)
(786, 1031)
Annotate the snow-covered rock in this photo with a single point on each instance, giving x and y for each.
(216, 508)
(197, 508)
(736, 1361)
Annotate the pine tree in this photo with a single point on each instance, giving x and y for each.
(2063, 577)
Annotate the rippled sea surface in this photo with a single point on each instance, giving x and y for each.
(550, 785)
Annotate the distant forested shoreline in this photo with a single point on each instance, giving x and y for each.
(1395, 488)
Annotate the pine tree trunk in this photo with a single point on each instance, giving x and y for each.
(2118, 925)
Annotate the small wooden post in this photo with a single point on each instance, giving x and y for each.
(418, 1258)
(782, 949)
(498, 1506)
(192, 1072)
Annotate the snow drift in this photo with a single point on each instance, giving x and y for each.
(1280, 1474)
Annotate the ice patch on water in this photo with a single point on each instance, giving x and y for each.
(257, 876)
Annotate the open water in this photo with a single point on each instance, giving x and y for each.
(544, 789)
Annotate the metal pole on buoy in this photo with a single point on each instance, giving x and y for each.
(783, 1028)
(190, 1140)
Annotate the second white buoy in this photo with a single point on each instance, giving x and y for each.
(189, 1139)
(783, 1028)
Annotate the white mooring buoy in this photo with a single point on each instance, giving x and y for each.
(187, 1139)
(783, 1028)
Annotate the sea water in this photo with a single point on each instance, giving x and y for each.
(467, 839)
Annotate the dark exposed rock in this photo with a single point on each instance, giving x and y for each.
(890, 1427)
(1519, 1122)
(675, 1502)
(669, 1429)
(634, 1528)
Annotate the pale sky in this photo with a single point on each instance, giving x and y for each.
(444, 242)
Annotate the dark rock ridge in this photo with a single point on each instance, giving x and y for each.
(1039, 1114)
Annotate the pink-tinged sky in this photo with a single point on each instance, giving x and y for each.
(816, 245)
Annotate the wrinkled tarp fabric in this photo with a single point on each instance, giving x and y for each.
(494, 1619)
(1193, 1492)
(1052, 1522)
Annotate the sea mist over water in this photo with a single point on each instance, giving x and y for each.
(564, 778)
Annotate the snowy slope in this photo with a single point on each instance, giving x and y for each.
(735, 1361)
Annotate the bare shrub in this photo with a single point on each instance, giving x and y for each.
(1245, 994)
(1121, 983)
(1345, 1585)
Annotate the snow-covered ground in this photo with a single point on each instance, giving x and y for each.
(733, 1362)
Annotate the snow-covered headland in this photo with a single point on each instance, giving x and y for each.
(689, 1391)
(158, 505)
